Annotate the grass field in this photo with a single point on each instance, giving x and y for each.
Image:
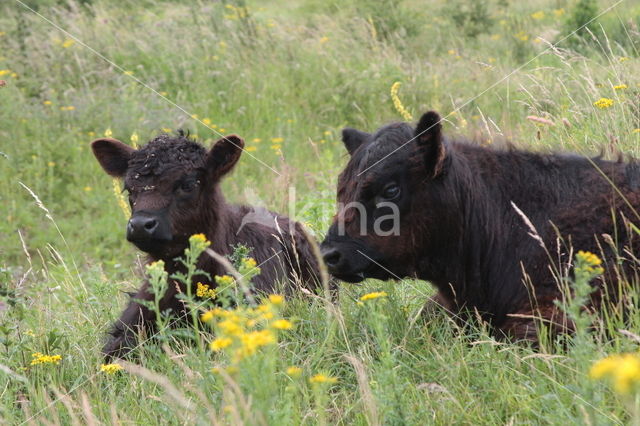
(288, 78)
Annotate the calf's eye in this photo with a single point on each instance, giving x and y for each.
(391, 192)
(187, 186)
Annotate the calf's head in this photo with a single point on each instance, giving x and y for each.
(393, 176)
(173, 186)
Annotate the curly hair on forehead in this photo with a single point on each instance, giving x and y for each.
(166, 152)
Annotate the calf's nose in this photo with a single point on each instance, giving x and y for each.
(141, 227)
(331, 257)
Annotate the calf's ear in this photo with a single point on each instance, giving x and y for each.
(112, 155)
(224, 155)
(428, 135)
(353, 138)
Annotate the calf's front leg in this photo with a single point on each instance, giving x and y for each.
(136, 317)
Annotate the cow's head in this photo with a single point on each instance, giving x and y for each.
(173, 187)
(392, 177)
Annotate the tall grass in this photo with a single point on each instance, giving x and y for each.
(290, 77)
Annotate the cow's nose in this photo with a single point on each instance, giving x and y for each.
(141, 227)
(331, 257)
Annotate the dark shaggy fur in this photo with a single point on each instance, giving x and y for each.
(459, 228)
(174, 192)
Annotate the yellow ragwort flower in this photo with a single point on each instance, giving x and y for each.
(589, 258)
(322, 378)
(203, 290)
(276, 299)
(603, 103)
(40, 358)
(126, 211)
(110, 368)
(282, 324)
(397, 103)
(108, 133)
(68, 43)
(538, 15)
(220, 343)
(225, 280)
(622, 370)
(620, 87)
(294, 371)
(207, 316)
(373, 295)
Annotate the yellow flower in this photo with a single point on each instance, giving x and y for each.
(623, 59)
(397, 103)
(635, 131)
(108, 133)
(251, 149)
(276, 299)
(276, 147)
(39, 358)
(4, 72)
(225, 280)
(620, 87)
(230, 327)
(324, 39)
(166, 130)
(249, 263)
(126, 211)
(256, 140)
(198, 238)
(128, 73)
(67, 108)
(68, 43)
(256, 339)
(522, 36)
(203, 290)
(622, 370)
(110, 368)
(87, 188)
(282, 324)
(220, 343)
(163, 93)
(589, 258)
(221, 129)
(294, 371)
(134, 139)
(207, 316)
(322, 378)
(47, 103)
(603, 103)
(538, 15)
(51, 164)
(206, 121)
(277, 140)
(374, 295)
(558, 12)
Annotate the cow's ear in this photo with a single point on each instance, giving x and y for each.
(224, 155)
(428, 136)
(112, 155)
(353, 138)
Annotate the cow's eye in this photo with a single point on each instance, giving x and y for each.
(391, 192)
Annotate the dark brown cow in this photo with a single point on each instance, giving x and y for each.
(174, 192)
(464, 216)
